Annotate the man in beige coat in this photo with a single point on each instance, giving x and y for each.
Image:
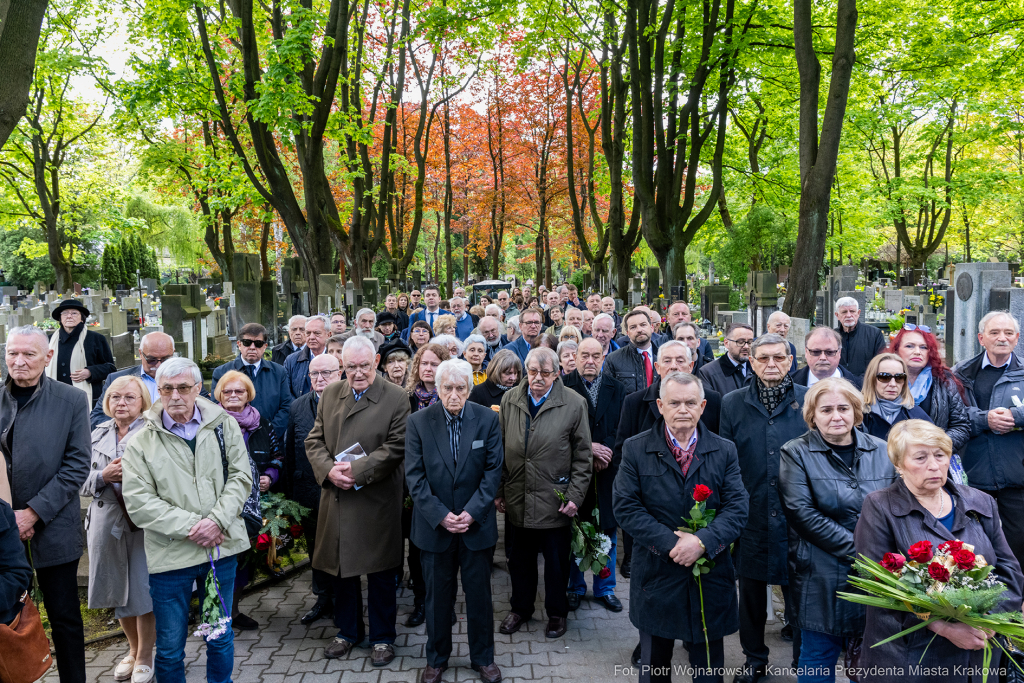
(546, 431)
(359, 527)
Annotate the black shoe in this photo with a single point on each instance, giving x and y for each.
(635, 658)
(244, 623)
(323, 609)
(417, 616)
(574, 600)
(624, 568)
(787, 633)
(751, 673)
(611, 602)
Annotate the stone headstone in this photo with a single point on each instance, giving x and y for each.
(38, 314)
(970, 295)
(710, 296)
(123, 347)
(893, 299)
(1012, 300)
(798, 329)
(269, 309)
(116, 320)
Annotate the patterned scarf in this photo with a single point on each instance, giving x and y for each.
(771, 397)
(593, 388)
(424, 398)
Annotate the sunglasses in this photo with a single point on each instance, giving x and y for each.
(910, 327)
(258, 343)
(886, 377)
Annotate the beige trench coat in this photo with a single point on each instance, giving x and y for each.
(106, 529)
(360, 532)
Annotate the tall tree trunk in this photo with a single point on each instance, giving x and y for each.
(448, 200)
(264, 242)
(818, 157)
(20, 24)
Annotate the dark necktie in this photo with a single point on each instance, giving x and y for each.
(250, 370)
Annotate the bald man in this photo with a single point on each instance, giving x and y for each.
(778, 323)
(156, 347)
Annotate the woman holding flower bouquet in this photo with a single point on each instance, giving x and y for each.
(922, 515)
(824, 476)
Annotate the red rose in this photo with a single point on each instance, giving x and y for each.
(295, 530)
(701, 493)
(920, 551)
(938, 572)
(964, 559)
(893, 562)
(262, 541)
(951, 546)
(605, 573)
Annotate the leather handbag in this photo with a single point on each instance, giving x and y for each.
(24, 650)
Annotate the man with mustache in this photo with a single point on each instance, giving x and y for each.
(993, 390)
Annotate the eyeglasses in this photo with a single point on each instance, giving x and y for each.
(828, 353)
(234, 392)
(910, 327)
(182, 389)
(130, 399)
(533, 372)
(886, 377)
(351, 369)
(258, 343)
(154, 360)
(779, 360)
(741, 342)
(524, 323)
(326, 374)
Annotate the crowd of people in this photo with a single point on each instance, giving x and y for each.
(408, 434)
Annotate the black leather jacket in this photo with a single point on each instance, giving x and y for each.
(949, 413)
(822, 500)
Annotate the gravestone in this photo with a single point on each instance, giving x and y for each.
(711, 296)
(123, 347)
(183, 309)
(636, 297)
(762, 299)
(38, 314)
(115, 320)
(217, 341)
(1010, 299)
(371, 292)
(893, 299)
(970, 297)
(268, 308)
(246, 288)
(798, 329)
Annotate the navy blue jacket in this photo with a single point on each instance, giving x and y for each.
(273, 396)
(520, 347)
(651, 498)
(439, 483)
(297, 368)
(15, 572)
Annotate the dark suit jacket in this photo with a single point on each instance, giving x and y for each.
(652, 497)
(273, 395)
(800, 376)
(282, 351)
(723, 376)
(604, 424)
(640, 412)
(439, 484)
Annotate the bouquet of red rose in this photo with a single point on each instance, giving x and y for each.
(951, 583)
(700, 517)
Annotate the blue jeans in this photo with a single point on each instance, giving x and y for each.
(818, 655)
(171, 592)
(602, 587)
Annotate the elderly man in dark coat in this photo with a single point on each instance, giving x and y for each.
(47, 449)
(654, 493)
(732, 370)
(360, 522)
(758, 420)
(604, 395)
(453, 457)
(324, 370)
(547, 451)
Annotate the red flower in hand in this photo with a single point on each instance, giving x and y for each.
(701, 493)
(893, 562)
(938, 572)
(295, 530)
(262, 541)
(920, 551)
(605, 573)
(964, 559)
(951, 546)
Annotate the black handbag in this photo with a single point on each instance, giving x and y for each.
(251, 514)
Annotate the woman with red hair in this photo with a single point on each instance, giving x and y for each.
(935, 388)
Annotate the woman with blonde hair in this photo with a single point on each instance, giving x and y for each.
(887, 397)
(570, 333)
(824, 476)
(118, 573)
(925, 504)
(445, 324)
